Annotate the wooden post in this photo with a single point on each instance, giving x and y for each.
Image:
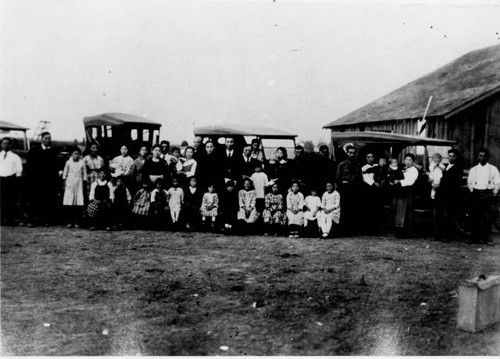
(479, 303)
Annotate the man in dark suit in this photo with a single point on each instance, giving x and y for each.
(446, 198)
(247, 164)
(230, 162)
(43, 176)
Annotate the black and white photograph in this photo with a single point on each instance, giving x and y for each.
(250, 178)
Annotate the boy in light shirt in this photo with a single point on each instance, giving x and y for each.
(260, 182)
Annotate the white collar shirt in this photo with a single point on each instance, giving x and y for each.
(368, 177)
(10, 164)
(484, 177)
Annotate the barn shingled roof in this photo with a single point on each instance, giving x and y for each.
(454, 87)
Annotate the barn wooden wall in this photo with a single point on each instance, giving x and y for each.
(475, 127)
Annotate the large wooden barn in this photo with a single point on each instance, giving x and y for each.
(465, 106)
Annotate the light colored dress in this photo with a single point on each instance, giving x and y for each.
(175, 200)
(325, 220)
(273, 212)
(313, 204)
(209, 200)
(247, 201)
(295, 202)
(74, 174)
(329, 201)
(121, 166)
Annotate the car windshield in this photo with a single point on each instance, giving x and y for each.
(271, 144)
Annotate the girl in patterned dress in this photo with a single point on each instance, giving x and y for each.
(294, 205)
(330, 203)
(142, 203)
(209, 207)
(247, 200)
(274, 218)
(100, 198)
(74, 176)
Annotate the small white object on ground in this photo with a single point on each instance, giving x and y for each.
(254, 304)
(423, 304)
(319, 323)
(426, 246)
(479, 249)
(398, 269)
(105, 332)
(224, 348)
(46, 325)
(195, 295)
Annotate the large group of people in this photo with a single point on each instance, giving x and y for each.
(207, 187)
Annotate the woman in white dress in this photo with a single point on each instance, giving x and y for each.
(74, 176)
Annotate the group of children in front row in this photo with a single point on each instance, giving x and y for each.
(111, 206)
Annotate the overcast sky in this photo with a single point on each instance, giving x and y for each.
(293, 65)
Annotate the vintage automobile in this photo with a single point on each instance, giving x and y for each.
(269, 138)
(112, 130)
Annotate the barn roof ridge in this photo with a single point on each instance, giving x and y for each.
(454, 86)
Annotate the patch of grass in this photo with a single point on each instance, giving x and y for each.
(162, 293)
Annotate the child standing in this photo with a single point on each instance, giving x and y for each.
(121, 203)
(273, 214)
(247, 200)
(175, 200)
(74, 176)
(260, 182)
(436, 168)
(229, 206)
(330, 203)
(100, 199)
(294, 205)
(142, 203)
(209, 206)
(159, 204)
(192, 203)
(313, 211)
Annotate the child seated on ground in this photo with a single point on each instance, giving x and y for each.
(141, 205)
(121, 203)
(100, 199)
(247, 199)
(192, 202)
(175, 200)
(294, 213)
(330, 204)
(209, 207)
(159, 205)
(273, 214)
(229, 207)
(312, 212)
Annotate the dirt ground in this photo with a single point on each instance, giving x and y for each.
(75, 292)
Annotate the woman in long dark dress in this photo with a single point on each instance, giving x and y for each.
(209, 169)
(402, 205)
